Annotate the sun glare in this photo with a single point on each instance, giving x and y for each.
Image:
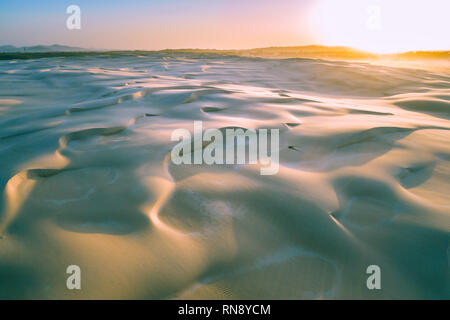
(383, 26)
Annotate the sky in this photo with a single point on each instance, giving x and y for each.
(372, 25)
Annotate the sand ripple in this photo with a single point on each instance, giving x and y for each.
(86, 179)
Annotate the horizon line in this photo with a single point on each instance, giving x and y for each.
(361, 51)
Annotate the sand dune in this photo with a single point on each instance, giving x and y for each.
(86, 179)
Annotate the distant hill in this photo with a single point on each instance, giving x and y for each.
(344, 53)
(41, 48)
(313, 51)
(8, 52)
(320, 52)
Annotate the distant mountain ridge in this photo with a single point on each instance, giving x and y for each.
(318, 51)
(311, 51)
(41, 48)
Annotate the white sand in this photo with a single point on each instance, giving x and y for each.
(86, 179)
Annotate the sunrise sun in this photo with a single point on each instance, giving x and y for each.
(381, 26)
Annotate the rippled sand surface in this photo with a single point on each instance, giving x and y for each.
(86, 179)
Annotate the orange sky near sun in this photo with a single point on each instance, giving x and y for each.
(372, 25)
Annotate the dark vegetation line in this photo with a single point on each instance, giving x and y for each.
(272, 52)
